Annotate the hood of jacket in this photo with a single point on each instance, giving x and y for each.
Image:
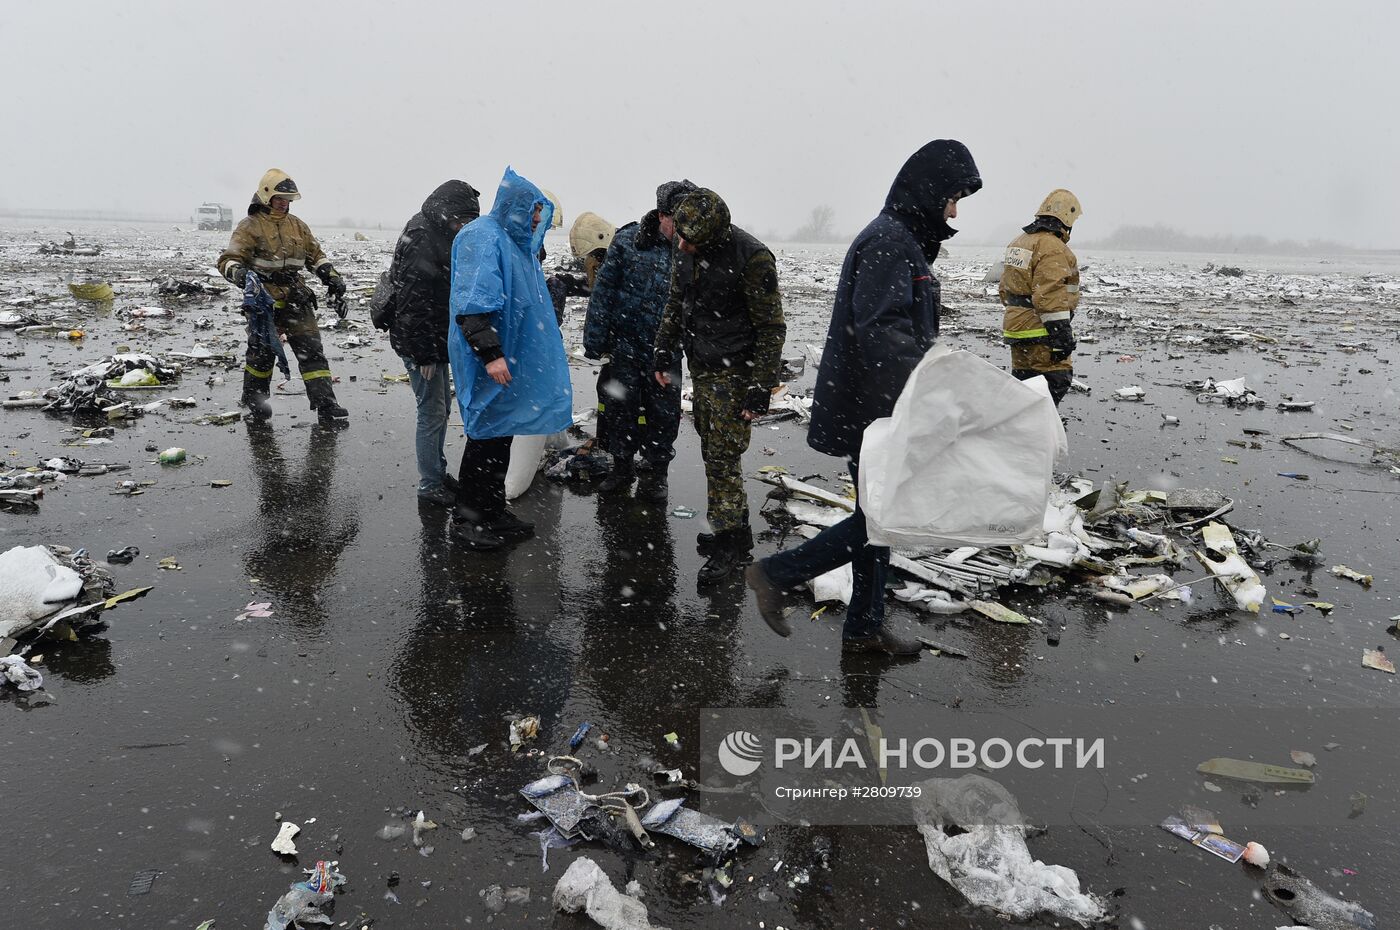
(649, 233)
(516, 200)
(939, 171)
(452, 201)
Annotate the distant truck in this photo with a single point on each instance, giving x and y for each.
(214, 216)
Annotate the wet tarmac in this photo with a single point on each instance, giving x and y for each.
(172, 741)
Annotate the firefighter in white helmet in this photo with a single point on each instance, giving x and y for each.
(277, 247)
(1040, 290)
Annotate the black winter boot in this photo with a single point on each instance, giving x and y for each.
(732, 551)
(321, 396)
(469, 529)
(620, 479)
(255, 396)
(653, 487)
(259, 407)
(332, 414)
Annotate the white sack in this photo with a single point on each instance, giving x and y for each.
(525, 454)
(33, 584)
(966, 458)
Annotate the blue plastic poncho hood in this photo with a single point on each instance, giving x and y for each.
(496, 271)
(516, 199)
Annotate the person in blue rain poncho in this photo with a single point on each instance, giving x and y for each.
(508, 360)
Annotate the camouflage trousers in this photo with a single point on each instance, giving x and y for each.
(724, 437)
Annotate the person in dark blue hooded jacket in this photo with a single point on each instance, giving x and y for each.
(508, 360)
(885, 318)
(629, 296)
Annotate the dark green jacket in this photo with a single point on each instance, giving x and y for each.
(724, 312)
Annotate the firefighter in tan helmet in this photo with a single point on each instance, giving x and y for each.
(276, 247)
(1040, 290)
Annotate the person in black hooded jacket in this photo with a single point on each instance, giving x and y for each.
(421, 278)
(885, 318)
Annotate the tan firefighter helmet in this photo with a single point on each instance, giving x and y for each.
(556, 219)
(276, 183)
(590, 231)
(1062, 205)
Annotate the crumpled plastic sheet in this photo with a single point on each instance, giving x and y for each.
(303, 902)
(20, 673)
(586, 887)
(989, 863)
(552, 839)
(567, 464)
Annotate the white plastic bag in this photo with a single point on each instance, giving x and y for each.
(965, 459)
(975, 838)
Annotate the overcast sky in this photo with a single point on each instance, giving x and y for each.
(1270, 118)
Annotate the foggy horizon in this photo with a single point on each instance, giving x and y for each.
(1235, 121)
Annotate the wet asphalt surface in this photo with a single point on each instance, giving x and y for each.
(172, 741)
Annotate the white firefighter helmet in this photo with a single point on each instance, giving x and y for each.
(590, 231)
(556, 219)
(276, 183)
(1062, 205)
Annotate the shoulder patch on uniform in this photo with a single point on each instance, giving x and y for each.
(1017, 257)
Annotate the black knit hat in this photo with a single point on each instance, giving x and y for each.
(670, 194)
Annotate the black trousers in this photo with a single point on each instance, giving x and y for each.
(642, 416)
(481, 481)
(1057, 380)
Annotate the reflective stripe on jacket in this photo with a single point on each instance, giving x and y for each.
(1039, 285)
(269, 244)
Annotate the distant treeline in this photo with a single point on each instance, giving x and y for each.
(1161, 238)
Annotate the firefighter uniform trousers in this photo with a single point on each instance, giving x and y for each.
(295, 318)
(724, 438)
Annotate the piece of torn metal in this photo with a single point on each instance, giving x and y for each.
(702, 831)
(1376, 659)
(1223, 560)
(1304, 902)
(994, 611)
(803, 489)
(558, 798)
(1244, 770)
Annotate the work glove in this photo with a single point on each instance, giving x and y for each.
(237, 275)
(335, 290)
(335, 284)
(1061, 340)
(756, 400)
